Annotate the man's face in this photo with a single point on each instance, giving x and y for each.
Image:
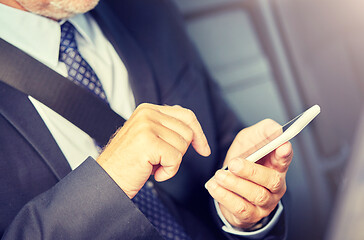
(58, 9)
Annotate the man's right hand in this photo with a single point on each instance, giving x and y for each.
(152, 141)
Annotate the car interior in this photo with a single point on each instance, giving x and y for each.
(276, 58)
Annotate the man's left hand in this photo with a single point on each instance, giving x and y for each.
(248, 192)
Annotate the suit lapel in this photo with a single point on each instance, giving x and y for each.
(140, 74)
(19, 111)
(15, 105)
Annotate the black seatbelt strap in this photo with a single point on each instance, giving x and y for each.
(76, 104)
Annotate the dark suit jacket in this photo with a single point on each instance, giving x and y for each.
(39, 195)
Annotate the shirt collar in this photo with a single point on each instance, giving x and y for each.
(36, 35)
(82, 25)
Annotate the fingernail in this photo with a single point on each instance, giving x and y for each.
(161, 176)
(221, 175)
(207, 150)
(210, 185)
(236, 165)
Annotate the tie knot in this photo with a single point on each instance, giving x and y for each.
(68, 41)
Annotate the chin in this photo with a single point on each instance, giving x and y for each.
(58, 9)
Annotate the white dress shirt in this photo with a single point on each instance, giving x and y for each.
(40, 38)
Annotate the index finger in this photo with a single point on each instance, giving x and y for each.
(264, 176)
(199, 141)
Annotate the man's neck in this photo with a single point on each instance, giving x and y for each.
(12, 3)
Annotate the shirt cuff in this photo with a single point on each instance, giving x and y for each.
(257, 234)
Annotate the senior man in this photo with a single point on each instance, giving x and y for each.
(135, 58)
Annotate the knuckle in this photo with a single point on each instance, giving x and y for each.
(184, 142)
(143, 106)
(263, 213)
(240, 209)
(247, 215)
(241, 133)
(268, 125)
(238, 220)
(240, 136)
(177, 106)
(269, 122)
(144, 126)
(190, 115)
(284, 188)
(142, 113)
(277, 183)
(251, 171)
(189, 134)
(147, 111)
(262, 198)
(178, 158)
(189, 112)
(144, 135)
(285, 164)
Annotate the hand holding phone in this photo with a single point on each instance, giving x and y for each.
(242, 188)
(290, 130)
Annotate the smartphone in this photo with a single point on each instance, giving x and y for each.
(290, 130)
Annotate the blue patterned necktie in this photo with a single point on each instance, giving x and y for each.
(81, 73)
(151, 206)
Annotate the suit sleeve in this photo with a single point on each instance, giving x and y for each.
(86, 204)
